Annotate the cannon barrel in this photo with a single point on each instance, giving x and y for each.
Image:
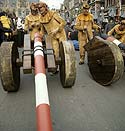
(42, 100)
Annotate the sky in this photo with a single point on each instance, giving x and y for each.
(53, 3)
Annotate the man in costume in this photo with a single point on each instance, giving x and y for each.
(32, 23)
(85, 25)
(118, 32)
(52, 25)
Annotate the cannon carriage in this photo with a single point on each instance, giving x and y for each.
(11, 60)
(105, 60)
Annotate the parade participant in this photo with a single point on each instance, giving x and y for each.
(52, 25)
(118, 32)
(6, 25)
(5, 20)
(109, 25)
(20, 32)
(68, 29)
(85, 25)
(32, 24)
(1, 33)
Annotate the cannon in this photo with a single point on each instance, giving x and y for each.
(11, 60)
(105, 59)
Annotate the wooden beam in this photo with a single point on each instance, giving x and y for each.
(27, 67)
(51, 65)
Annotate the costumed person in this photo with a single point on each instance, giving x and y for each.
(32, 23)
(6, 26)
(118, 31)
(20, 32)
(52, 25)
(85, 25)
(109, 25)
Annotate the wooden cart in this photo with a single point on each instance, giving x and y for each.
(11, 61)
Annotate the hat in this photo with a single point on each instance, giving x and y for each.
(33, 6)
(42, 4)
(86, 6)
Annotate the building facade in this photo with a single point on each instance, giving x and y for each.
(116, 8)
(22, 6)
(7, 4)
(99, 8)
(73, 7)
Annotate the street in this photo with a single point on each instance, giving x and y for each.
(87, 106)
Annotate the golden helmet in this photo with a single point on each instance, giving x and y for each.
(42, 4)
(86, 6)
(33, 6)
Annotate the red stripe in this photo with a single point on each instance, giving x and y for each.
(39, 64)
(38, 37)
(110, 38)
(44, 122)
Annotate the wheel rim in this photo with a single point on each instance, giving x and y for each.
(106, 63)
(10, 72)
(68, 64)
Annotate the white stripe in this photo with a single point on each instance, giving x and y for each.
(37, 43)
(117, 42)
(38, 52)
(41, 89)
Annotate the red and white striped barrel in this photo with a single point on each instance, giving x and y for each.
(114, 40)
(44, 122)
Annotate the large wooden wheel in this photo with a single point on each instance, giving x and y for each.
(9, 71)
(105, 61)
(68, 64)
